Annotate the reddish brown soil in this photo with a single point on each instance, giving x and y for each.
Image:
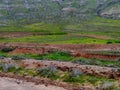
(41, 50)
(14, 34)
(98, 56)
(76, 50)
(89, 47)
(44, 50)
(86, 50)
(19, 34)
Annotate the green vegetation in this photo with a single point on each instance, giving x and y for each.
(97, 62)
(74, 76)
(8, 67)
(52, 73)
(97, 26)
(7, 49)
(60, 39)
(57, 55)
(49, 72)
(42, 28)
(105, 31)
(63, 56)
(60, 22)
(86, 79)
(107, 52)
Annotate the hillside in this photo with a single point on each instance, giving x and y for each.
(29, 11)
(60, 44)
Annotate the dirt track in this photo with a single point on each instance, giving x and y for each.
(11, 84)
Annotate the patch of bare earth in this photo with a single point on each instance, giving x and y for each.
(14, 34)
(19, 34)
(76, 50)
(13, 84)
(42, 83)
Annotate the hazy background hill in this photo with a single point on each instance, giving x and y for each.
(29, 11)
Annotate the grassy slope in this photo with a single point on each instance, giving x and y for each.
(60, 39)
(54, 32)
(99, 26)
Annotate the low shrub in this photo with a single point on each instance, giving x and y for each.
(49, 72)
(8, 67)
(75, 73)
(108, 86)
(81, 61)
(2, 56)
(117, 41)
(7, 49)
(109, 42)
(119, 60)
(74, 76)
(118, 88)
(18, 57)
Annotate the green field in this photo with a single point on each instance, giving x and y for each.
(61, 33)
(60, 39)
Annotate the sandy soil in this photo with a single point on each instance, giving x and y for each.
(11, 84)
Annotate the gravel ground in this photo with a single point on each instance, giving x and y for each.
(11, 84)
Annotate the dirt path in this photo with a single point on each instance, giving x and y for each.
(11, 84)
